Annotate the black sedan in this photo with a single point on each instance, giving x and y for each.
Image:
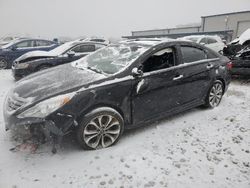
(118, 87)
(241, 63)
(39, 60)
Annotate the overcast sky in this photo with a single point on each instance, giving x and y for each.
(53, 18)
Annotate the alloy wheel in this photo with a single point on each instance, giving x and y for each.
(102, 131)
(215, 94)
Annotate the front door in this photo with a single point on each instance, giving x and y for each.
(156, 91)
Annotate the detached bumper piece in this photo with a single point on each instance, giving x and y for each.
(46, 130)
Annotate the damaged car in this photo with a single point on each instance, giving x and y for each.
(118, 87)
(241, 63)
(39, 60)
(237, 44)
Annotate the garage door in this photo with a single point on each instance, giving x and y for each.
(242, 26)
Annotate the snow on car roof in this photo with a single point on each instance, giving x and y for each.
(200, 36)
(148, 41)
(243, 38)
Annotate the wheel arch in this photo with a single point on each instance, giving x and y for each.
(223, 82)
(101, 105)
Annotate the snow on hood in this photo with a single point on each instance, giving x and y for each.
(53, 81)
(52, 53)
(37, 53)
(243, 38)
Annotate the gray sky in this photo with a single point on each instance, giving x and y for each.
(53, 18)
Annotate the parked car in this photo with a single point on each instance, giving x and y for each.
(213, 42)
(241, 63)
(118, 87)
(16, 48)
(38, 60)
(237, 44)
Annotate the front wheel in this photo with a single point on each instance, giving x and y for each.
(3, 64)
(100, 128)
(215, 94)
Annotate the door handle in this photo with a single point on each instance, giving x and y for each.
(178, 77)
(209, 66)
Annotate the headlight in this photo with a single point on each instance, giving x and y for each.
(22, 66)
(46, 107)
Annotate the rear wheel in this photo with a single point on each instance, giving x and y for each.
(215, 94)
(3, 64)
(100, 128)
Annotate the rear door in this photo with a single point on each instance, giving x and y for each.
(196, 73)
(43, 45)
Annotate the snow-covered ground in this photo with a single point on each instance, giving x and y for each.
(198, 148)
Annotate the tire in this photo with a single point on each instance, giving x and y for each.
(3, 64)
(100, 128)
(215, 94)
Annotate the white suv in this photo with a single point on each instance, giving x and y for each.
(213, 42)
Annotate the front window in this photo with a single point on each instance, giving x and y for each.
(161, 60)
(112, 59)
(25, 44)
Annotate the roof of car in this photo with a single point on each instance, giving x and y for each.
(148, 41)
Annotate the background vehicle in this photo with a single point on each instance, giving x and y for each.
(118, 87)
(241, 63)
(213, 42)
(237, 44)
(39, 60)
(16, 48)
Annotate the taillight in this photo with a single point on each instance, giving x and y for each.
(229, 65)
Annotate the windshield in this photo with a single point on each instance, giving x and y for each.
(111, 59)
(193, 39)
(62, 48)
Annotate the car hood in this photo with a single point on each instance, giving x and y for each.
(35, 54)
(243, 38)
(54, 81)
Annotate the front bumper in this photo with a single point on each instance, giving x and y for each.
(47, 126)
(20, 73)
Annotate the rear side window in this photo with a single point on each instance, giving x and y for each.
(191, 54)
(84, 48)
(43, 43)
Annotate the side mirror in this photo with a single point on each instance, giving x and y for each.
(71, 53)
(136, 72)
(202, 43)
(13, 48)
